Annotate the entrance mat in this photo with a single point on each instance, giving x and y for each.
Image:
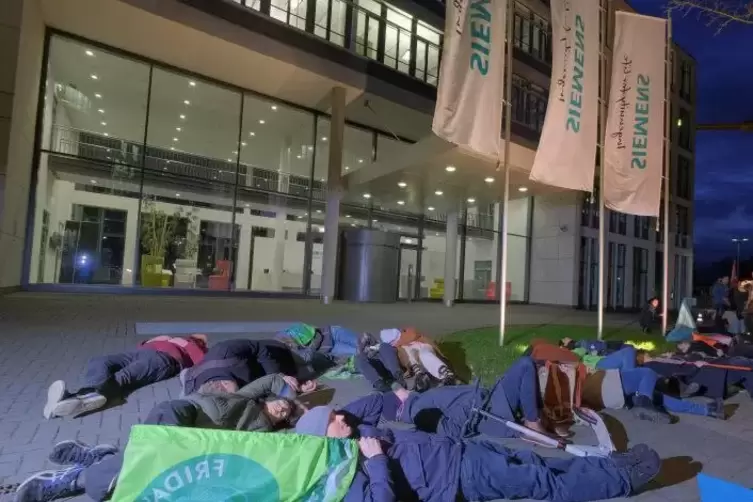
(226, 328)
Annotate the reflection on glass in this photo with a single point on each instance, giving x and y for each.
(358, 149)
(292, 12)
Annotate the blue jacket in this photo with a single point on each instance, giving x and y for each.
(719, 293)
(416, 466)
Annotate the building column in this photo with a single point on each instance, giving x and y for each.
(450, 257)
(334, 196)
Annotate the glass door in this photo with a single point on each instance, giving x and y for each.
(408, 276)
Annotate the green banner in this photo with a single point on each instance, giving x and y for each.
(181, 464)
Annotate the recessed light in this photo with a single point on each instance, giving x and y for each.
(235, 152)
(173, 149)
(186, 102)
(401, 203)
(298, 157)
(274, 107)
(324, 138)
(489, 180)
(321, 230)
(374, 221)
(523, 189)
(347, 216)
(97, 95)
(347, 168)
(402, 184)
(310, 148)
(248, 205)
(89, 53)
(471, 200)
(175, 139)
(243, 143)
(94, 77)
(107, 134)
(229, 160)
(93, 181)
(360, 161)
(192, 83)
(450, 169)
(352, 224)
(438, 192)
(262, 121)
(178, 129)
(367, 196)
(177, 195)
(251, 133)
(101, 110)
(430, 208)
(104, 123)
(182, 117)
(319, 211)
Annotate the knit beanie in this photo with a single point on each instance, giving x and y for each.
(389, 335)
(315, 421)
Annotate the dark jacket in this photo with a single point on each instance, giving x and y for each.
(242, 410)
(648, 315)
(416, 466)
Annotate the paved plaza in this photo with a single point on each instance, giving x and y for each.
(44, 337)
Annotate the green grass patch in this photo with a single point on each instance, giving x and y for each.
(476, 352)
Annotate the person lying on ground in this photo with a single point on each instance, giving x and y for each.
(650, 315)
(267, 404)
(415, 465)
(240, 362)
(447, 410)
(333, 342)
(594, 347)
(420, 355)
(112, 377)
(379, 364)
(639, 388)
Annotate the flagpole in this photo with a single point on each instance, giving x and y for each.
(602, 134)
(506, 190)
(667, 170)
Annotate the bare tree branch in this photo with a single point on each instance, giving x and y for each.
(716, 13)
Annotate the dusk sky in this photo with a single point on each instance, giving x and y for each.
(724, 159)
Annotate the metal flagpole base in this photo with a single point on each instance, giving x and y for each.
(326, 300)
(449, 303)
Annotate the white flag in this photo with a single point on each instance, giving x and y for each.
(566, 156)
(468, 112)
(635, 127)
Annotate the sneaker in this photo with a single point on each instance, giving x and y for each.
(447, 377)
(78, 405)
(422, 382)
(690, 390)
(50, 485)
(644, 409)
(75, 452)
(716, 409)
(382, 387)
(55, 393)
(641, 463)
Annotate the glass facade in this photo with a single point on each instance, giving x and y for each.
(149, 177)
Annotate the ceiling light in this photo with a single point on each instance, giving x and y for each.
(186, 102)
(347, 216)
(401, 203)
(319, 211)
(89, 53)
(235, 152)
(347, 168)
(262, 121)
(251, 133)
(471, 200)
(298, 157)
(450, 169)
(192, 83)
(367, 196)
(248, 205)
(178, 129)
(352, 224)
(310, 148)
(173, 149)
(104, 123)
(324, 138)
(430, 208)
(177, 195)
(182, 117)
(175, 139)
(274, 107)
(438, 192)
(523, 189)
(93, 181)
(243, 143)
(360, 161)
(94, 77)
(107, 134)
(374, 221)
(229, 160)
(101, 110)
(489, 179)
(679, 122)
(97, 95)
(402, 184)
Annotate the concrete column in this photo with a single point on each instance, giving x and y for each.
(334, 195)
(450, 258)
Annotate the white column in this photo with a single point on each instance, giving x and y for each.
(496, 240)
(334, 195)
(244, 249)
(450, 257)
(283, 183)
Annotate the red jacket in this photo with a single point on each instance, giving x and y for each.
(187, 351)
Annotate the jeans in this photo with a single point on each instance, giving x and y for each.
(99, 479)
(384, 366)
(516, 390)
(490, 471)
(116, 375)
(344, 341)
(423, 355)
(623, 359)
(642, 381)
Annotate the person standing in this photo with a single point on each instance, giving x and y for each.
(720, 296)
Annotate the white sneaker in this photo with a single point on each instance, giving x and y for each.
(55, 394)
(78, 405)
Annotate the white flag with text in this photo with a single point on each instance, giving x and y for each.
(634, 140)
(468, 111)
(566, 156)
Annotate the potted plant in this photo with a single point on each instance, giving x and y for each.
(157, 231)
